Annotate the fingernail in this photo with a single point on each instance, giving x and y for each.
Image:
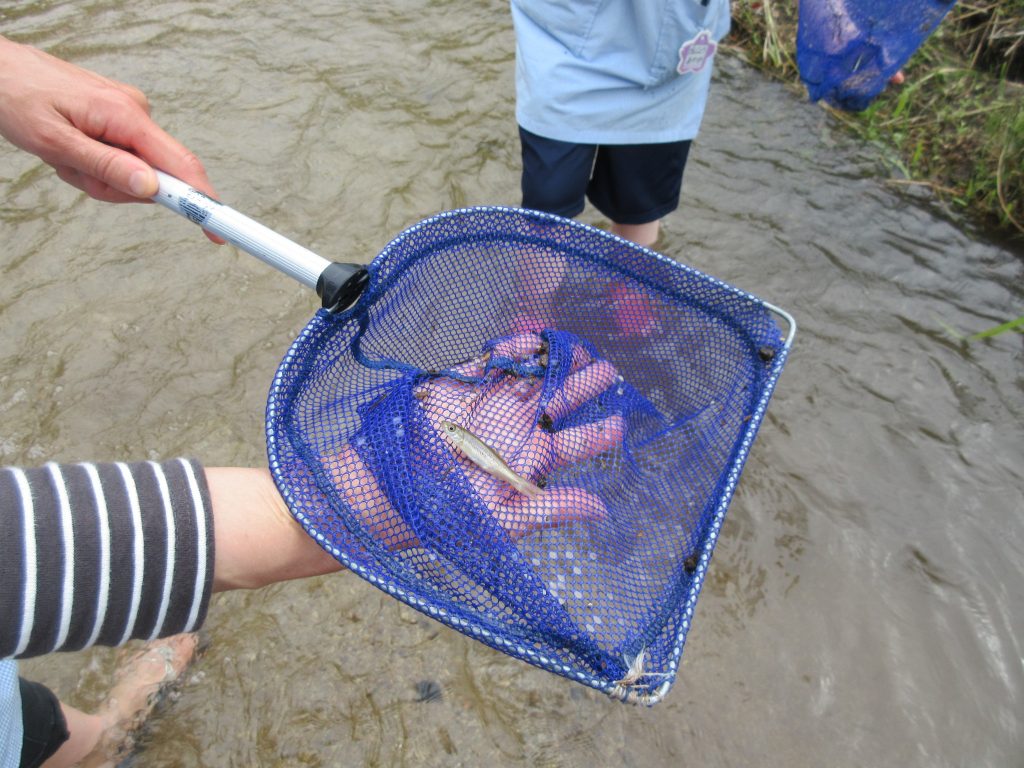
(140, 184)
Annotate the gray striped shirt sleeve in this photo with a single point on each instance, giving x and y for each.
(101, 554)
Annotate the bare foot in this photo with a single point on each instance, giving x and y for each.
(141, 677)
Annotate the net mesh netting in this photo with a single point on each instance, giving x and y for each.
(847, 50)
(621, 390)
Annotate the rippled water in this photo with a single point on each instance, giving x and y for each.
(864, 605)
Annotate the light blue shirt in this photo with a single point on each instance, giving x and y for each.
(615, 71)
(10, 715)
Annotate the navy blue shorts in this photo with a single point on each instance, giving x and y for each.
(44, 726)
(628, 183)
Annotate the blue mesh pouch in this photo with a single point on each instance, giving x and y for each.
(530, 430)
(847, 50)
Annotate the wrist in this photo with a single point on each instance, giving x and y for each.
(370, 503)
(257, 542)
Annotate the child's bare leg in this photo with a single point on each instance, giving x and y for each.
(538, 275)
(641, 234)
(101, 739)
(84, 732)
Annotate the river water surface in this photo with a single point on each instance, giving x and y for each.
(864, 606)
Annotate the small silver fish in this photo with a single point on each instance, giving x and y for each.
(488, 459)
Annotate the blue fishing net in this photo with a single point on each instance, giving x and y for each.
(620, 389)
(847, 50)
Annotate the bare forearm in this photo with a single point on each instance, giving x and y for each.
(257, 540)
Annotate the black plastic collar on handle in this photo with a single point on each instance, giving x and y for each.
(340, 285)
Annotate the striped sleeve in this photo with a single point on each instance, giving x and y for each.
(98, 554)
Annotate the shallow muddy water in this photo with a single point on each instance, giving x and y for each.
(864, 604)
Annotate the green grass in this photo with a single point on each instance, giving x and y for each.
(1012, 325)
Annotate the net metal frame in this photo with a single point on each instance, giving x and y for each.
(420, 314)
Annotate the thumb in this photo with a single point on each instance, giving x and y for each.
(103, 171)
(113, 168)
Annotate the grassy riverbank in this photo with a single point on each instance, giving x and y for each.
(956, 125)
